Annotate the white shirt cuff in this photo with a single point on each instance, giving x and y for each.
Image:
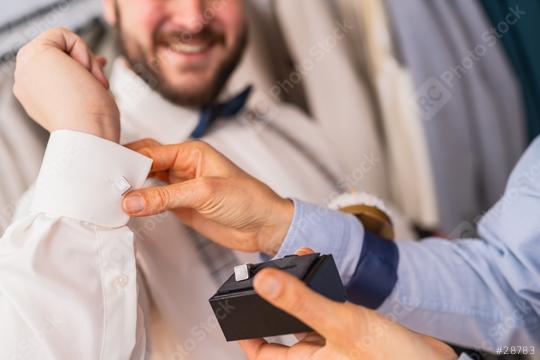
(81, 177)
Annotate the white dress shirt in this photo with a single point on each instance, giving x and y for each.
(77, 283)
(67, 271)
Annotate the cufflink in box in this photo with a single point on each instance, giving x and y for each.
(242, 314)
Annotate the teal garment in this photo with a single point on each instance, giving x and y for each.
(522, 44)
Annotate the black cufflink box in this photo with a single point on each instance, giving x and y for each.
(242, 314)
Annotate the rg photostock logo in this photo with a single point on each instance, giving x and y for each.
(431, 97)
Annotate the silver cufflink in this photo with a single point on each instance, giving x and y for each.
(122, 185)
(242, 272)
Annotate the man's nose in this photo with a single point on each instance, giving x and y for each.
(189, 14)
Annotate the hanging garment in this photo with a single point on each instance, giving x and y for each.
(475, 128)
(410, 172)
(337, 98)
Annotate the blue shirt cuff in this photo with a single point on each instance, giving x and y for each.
(376, 274)
(327, 232)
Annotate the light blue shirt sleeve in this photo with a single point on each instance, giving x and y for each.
(484, 292)
(327, 232)
(481, 293)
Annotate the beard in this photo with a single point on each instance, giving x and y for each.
(148, 66)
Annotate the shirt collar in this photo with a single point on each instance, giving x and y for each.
(144, 113)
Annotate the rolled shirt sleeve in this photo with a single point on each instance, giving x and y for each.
(67, 271)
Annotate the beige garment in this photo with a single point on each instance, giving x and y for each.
(412, 185)
(337, 97)
(257, 66)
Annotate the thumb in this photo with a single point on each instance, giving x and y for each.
(292, 296)
(191, 194)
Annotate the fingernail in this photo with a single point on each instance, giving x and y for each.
(268, 285)
(134, 203)
(303, 251)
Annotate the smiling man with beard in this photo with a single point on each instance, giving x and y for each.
(190, 48)
(139, 290)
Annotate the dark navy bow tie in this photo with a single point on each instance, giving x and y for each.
(209, 114)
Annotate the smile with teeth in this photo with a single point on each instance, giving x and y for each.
(184, 48)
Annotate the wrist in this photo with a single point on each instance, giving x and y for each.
(277, 227)
(105, 125)
(104, 131)
(102, 121)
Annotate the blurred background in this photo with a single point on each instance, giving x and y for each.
(22, 20)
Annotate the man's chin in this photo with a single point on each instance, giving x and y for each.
(189, 95)
(196, 83)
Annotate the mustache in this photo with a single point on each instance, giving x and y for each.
(206, 35)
